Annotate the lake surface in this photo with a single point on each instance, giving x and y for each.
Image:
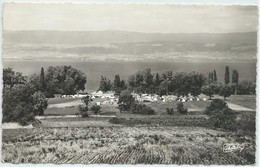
(94, 70)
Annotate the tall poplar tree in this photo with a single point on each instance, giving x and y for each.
(227, 75)
(215, 79)
(42, 80)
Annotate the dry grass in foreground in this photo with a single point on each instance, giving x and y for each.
(125, 145)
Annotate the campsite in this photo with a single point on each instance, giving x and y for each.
(152, 83)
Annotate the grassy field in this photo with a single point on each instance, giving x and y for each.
(248, 101)
(76, 122)
(107, 109)
(62, 111)
(126, 145)
(58, 100)
(160, 107)
(243, 100)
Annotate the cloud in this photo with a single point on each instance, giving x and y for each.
(139, 18)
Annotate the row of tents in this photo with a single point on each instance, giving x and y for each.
(155, 98)
(139, 97)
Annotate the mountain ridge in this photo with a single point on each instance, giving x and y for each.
(112, 36)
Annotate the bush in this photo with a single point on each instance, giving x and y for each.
(125, 101)
(40, 103)
(225, 91)
(216, 104)
(181, 109)
(18, 105)
(246, 88)
(83, 111)
(220, 116)
(247, 122)
(23, 114)
(138, 108)
(95, 109)
(169, 111)
(117, 120)
(225, 119)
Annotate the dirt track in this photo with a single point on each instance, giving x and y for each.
(66, 104)
(238, 107)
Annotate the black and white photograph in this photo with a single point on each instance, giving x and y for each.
(129, 83)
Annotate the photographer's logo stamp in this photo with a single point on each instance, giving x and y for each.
(231, 147)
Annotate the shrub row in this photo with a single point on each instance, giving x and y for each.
(167, 121)
(138, 108)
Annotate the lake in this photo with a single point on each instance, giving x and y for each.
(94, 70)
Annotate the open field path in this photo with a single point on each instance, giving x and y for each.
(238, 107)
(73, 116)
(66, 104)
(193, 107)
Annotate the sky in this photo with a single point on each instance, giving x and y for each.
(130, 17)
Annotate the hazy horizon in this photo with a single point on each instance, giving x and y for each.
(132, 32)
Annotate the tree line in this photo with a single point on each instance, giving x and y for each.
(117, 85)
(25, 97)
(180, 83)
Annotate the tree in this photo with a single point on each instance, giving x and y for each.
(246, 88)
(167, 75)
(21, 102)
(220, 116)
(225, 91)
(125, 101)
(11, 78)
(95, 109)
(8, 77)
(163, 88)
(227, 75)
(105, 84)
(138, 108)
(123, 85)
(148, 77)
(64, 80)
(117, 84)
(84, 109)
(211, 77)
(181, 109)
(210, 90)
(235, 76)
(167, 83)
(215, 79)
(40, 103)
(131, 82)
(18, 104)
(195, 91)
(42, 80)
(224, 118)
(157, 80)
(169, 111)
(185, 83)
(215, 105)
(34, 82)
